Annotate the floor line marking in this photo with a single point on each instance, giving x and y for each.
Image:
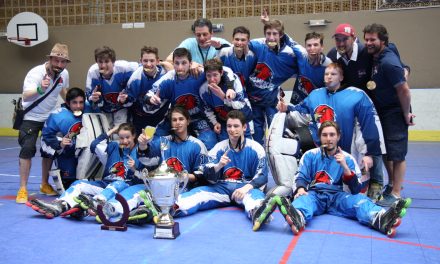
(373, 237)
(9, 148)
(15, 175)
(290, 249)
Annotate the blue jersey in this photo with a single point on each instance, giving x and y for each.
(184, 93)
(220, 108)
(242, 67)
(318, 171)
(116, 159)
(273, 68)
(346, 107)
(188, 155)
(309, 77)
(137, 87)
(111, 88)
(61, 123)
(248, 165)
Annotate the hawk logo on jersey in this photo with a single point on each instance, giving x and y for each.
(189, 102)
(263, 72)
(305, 85)
(233, 173)
(222, 112)
(324, 113)
(111, 98)
(118, 169)
(322, 177)
(175, 164)
(74, 130)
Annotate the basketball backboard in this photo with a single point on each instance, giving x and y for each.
(27, 29)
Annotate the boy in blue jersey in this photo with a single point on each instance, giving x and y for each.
(120, 159)
(275, 64)
(179, 87)
(222, 95)
(239, 57)
(107, 83)
(140, 82)
(322, 174)
(351, 108)
(59, 135)
(237, 170)
(311, 66)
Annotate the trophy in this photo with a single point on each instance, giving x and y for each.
(165, 185)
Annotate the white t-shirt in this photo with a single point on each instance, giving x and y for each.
(33, 79)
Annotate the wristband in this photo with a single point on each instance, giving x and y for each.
(39, 90)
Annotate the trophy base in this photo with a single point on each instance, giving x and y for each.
(114, 228)
(167, 232)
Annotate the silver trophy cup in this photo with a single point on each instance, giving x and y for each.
(165, 186)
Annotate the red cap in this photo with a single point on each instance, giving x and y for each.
(344, 29)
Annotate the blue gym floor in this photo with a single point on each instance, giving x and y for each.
(222, 235)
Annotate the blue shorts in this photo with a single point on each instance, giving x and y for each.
(395, 132)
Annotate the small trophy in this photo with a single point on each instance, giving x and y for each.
(119, 225)
(164, 186)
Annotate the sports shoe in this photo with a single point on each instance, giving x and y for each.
(375, 191)
(293, 217)
(46, 188)
(262, 214)
(87, 203)
(387, 200)
(22, 195)
(387, 221)
(140, 216)
(48, 209)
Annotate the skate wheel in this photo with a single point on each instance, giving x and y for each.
(283, 210)
(289, 220)
(28, 204)
(294, 230)
(403, 212)
(256, 226)
(397, 222)
(408, 202)
(391, 233)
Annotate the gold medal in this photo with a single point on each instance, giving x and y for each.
(371, 85)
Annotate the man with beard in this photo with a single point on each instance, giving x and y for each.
(320, 181)
(50, 77)
(392, 97)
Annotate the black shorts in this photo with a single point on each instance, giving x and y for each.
(395, 132)
(27, 138)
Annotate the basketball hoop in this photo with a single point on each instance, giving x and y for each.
(27, 41)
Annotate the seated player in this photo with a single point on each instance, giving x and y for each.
(120, 159)
(236, 172)
(59, 135)
(222, 95)
(185, 154)
(321, 176)
(179, 87)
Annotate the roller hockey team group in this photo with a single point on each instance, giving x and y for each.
(212, 101)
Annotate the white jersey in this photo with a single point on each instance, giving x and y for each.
(33, 80)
